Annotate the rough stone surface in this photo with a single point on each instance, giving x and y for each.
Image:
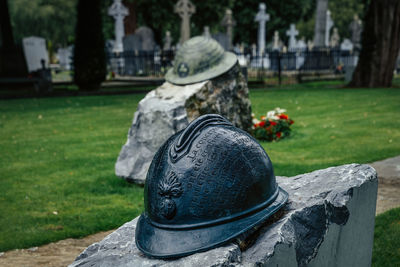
(328, 221)
(169, 108)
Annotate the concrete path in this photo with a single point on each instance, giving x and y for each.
(389, 184)
(64, 252)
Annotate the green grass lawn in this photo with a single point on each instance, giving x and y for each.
(58, 154)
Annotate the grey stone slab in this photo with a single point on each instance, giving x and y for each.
(328, 221)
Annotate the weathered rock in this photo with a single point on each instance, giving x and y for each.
(328, 221)
(169, 108)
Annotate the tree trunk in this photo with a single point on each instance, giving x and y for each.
(6, 34)
(130, 21)
(380, 45)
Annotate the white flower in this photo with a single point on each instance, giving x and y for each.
(280, 110)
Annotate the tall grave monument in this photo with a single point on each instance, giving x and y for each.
(355, 30)
(229, 23)
(320, 23)
(185, 10)
(292, 33)
(118, 11)
(261, 18)
(328, 26)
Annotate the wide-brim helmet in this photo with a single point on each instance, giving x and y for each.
(205, 186)
(200, 58)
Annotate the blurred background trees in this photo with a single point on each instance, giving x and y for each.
(55, 20)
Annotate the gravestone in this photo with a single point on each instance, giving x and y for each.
(132, 48)
(185, 10)
(222, 39)
(356, 29)
(292, 33)
(132, 43)
(146, 37)
(65, 57)
(301, 47)
(310, 45)
(167, 41)
(118, 11)
(228, 22)
(335, 38)
(328, 221)
(169, 108)
(277, 43)
(328, 25)
(35, 51)
(261, 18)
(346, 45)
(206, 32)
(320, 23)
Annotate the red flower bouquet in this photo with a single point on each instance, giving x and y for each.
(274, 126)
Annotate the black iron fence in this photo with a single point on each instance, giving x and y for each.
(292, 65)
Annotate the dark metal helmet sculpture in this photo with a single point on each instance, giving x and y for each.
(200, 58)
(205, 186)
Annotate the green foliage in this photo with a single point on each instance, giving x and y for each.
(387, 239)
(58, 154)
(89, 54)
(342, 12)
(51, 19)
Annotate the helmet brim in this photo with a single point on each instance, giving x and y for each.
(227, 62)
(173, 243)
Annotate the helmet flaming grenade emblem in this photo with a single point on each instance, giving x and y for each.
(167, 188)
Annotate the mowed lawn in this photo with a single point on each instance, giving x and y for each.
(57, 154)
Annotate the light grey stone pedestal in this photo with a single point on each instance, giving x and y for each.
(328, 221)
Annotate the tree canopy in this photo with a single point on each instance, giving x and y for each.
(55, 20)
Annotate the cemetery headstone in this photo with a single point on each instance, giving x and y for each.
(277, 43)
(262, 17)
(328, 25)
(346, 45)
(356, 29)
(301, 47)
(228, 22)
(35, 51)
(335, 38)
(206, 32)
(65, 57)
(310, 45)
(320, 23)
(146, 37)
(118, 11)
(167, 41)
(185, 10)
(133, 64)
(292, 33)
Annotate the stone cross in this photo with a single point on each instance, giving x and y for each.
(292, 33)
(229, 23)
(261, 18)
(119, 12)
(185, 10)
(328, 26)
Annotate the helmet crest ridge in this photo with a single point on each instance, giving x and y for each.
(181, 147)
